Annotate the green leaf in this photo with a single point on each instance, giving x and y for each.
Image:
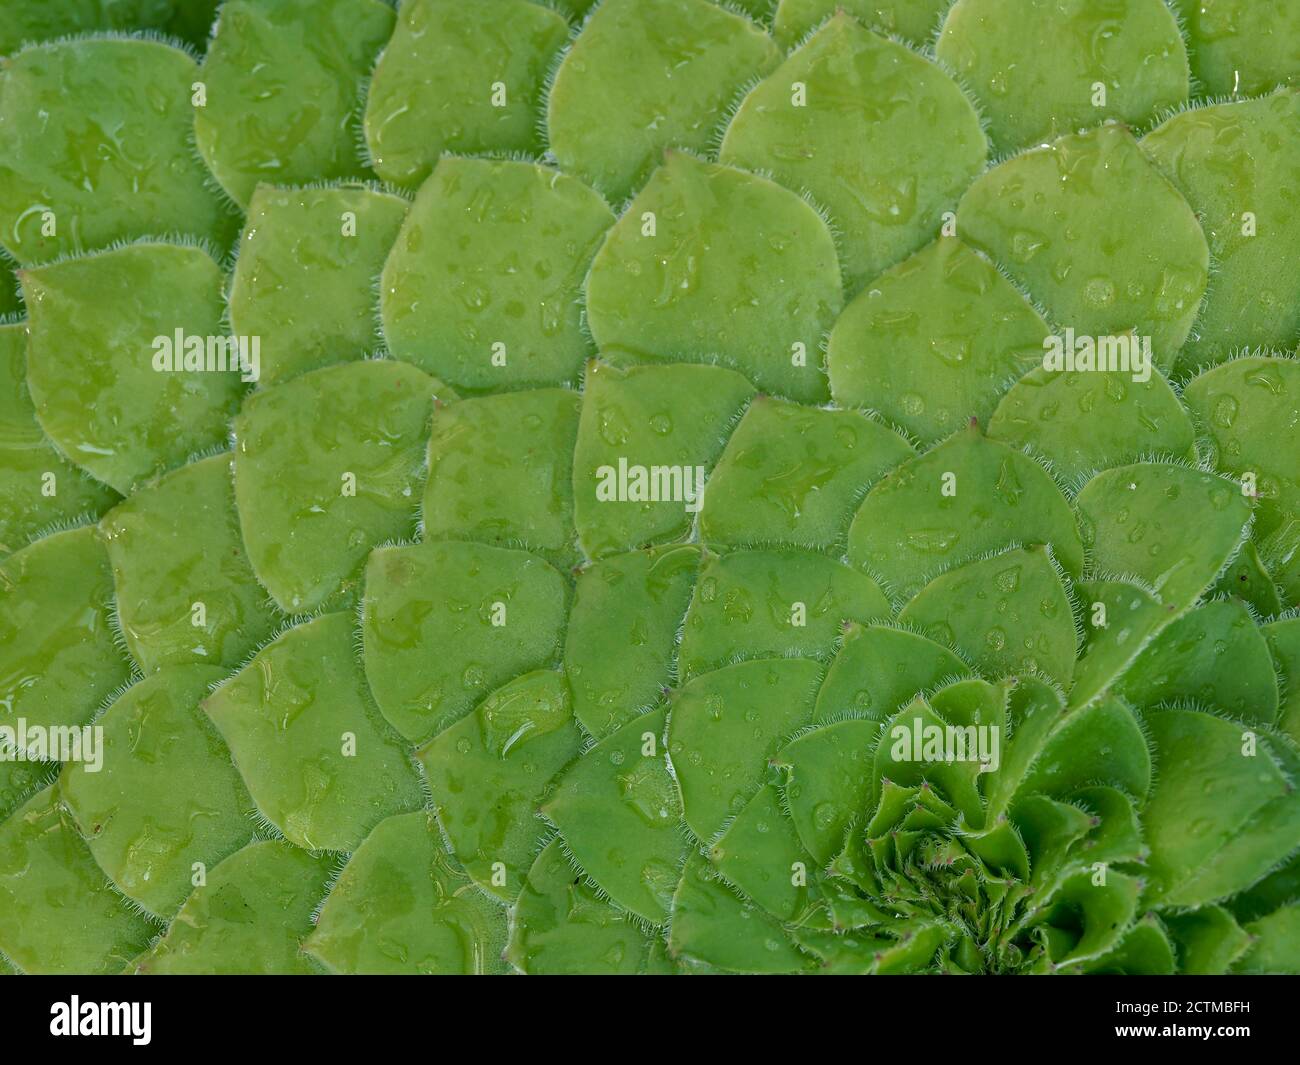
(1119, 621)
(1033, 709)
(760, 853)
(1264, 896)
(1099, 744)
(904, 755)
(962, 499)
(462, 78)
(22, 21)
(1051, 832)
(1260, 849)
(1071, 222)
(619, 813)
(1144, 951)
(753, 604)
(916, 21)
(489, 772)
(896, 141)
(1098, 914)
(1275, 945)
(1244, 408)
(501, 472)
(1215, 656)
(30, 466)
(443, 624)
(99, 328)
(1280, 553)
(560, 926)
(484, 281)
(1006, 614)
(1209, 940)
(829, 780)
(713, 264)
(1035, 69)
(61, 657)
(402, 906)
(1116, 835)
(97, 131)
(20, 780)
(186, 592)
(1222, 812)
(644, 76)
(934, 341)
(1172, 527)
(794, 475)
(321, 763)
(303, 125)
(169, 798)
(726, 725)
(878, 669)
(57, 912)
(1126, 420)
(251, 916)
(713, 925)
(311, 316)
(1247, 579)
(671, 422)
(326, 466)
(1236, 162)
(621, 644)
(1284, 643)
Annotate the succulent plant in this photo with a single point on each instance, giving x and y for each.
(633, 523)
